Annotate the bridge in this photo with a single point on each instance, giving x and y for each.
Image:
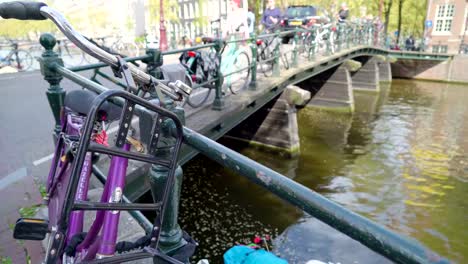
(324, 81)
(331, 79)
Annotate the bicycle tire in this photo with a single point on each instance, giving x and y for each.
(201, 100)
(88, 58)
(285, 61)
(236, 88)
(265, 66)
(306, 46)
(76, 54)
(131, 49)
(119, 49)
(332, 41)
(22, 60)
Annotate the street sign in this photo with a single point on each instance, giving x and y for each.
(428, 23)
(396, 33)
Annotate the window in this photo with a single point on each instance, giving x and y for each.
(443, 49)
(438, 26)
(444, 17)
(439, 48)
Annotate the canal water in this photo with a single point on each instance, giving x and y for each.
(401, 160)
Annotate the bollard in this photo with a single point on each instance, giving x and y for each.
(276, 69)
(253, 77)
(219, 102)
(55, 93)
(295, 44)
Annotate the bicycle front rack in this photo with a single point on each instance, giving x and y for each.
(86, 145)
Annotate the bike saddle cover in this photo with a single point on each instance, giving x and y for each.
(80, 101)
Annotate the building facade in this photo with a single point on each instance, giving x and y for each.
(195, 17)
(446, 26)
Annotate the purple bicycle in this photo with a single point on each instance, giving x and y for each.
(84, 119)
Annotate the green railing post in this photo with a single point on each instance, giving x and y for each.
(55, 93)
(339, 30)
(313, 45)
(171, 233)
(154, 62)
(253, 78)
(296, 42)
(276, 68)
(328, 43)
(219, 102)
(349, 34)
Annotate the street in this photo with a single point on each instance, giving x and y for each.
(26, 124)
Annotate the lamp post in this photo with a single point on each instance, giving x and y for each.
(162, 28)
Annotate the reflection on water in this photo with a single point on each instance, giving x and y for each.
(400, 159)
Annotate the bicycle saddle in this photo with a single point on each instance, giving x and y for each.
(80, 101)
(208, 39)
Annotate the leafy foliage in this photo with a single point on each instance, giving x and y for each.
(412, 21)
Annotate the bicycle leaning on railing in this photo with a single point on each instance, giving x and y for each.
(84, 120)
(268, 47)
(17, 58)
(202, 68)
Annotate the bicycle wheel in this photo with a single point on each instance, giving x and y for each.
(22, 60)
(199, 96)
(88, 58)
(285, 61)
(265, 66)
(73, 54)
(120, 49)
(239, 80)
(131, 49)
(333, 42)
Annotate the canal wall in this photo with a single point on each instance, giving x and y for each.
(451, 70)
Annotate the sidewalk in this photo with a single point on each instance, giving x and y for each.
(18, 194)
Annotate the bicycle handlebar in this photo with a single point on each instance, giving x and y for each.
(22, 10)
(39, 11)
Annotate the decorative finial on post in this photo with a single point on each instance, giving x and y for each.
(55, 93)
(48, 41)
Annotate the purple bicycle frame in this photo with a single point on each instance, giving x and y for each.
(104, 245)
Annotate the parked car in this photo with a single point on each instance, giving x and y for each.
(296, 16)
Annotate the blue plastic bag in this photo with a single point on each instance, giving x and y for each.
(247, 255)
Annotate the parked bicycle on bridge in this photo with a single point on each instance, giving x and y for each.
(17, 58)
(202, 68)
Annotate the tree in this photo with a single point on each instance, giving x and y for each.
(400, 8)
(386, 10)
